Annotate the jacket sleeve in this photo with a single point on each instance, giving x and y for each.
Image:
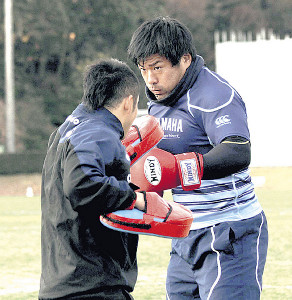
(86, 184)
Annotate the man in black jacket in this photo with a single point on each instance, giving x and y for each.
(86, 174)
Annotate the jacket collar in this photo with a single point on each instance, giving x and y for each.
(103, 115)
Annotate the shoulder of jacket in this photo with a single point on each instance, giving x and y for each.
(210, 92)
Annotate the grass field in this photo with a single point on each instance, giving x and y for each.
(20, 241)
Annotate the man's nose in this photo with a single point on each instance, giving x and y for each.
(151, 78)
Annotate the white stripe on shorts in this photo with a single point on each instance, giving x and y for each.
(258, 243)
(218, 263)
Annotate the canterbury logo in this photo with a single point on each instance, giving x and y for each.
(223, 120)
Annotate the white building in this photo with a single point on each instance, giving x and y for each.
(261, 72)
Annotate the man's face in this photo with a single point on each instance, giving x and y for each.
(160, 76)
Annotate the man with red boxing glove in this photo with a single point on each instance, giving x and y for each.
(204, 157)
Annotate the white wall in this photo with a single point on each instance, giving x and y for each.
(261, 72)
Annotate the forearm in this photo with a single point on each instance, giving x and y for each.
(231, 156)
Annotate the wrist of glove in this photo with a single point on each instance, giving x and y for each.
(190, 168)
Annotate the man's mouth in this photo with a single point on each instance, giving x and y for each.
(157, 92)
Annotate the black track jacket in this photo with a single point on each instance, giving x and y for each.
(84, 175)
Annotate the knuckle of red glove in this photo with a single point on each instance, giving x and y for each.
(143, 135)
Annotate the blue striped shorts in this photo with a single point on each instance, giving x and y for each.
(224, 261)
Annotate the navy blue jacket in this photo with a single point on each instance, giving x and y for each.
(85, 174)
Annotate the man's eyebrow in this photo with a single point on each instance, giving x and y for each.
(153, 64)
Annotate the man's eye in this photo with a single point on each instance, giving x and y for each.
(157, 68)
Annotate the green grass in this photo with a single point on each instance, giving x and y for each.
(20, 245)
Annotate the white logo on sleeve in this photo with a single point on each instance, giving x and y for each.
(223, 120)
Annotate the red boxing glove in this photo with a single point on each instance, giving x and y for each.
(143, 135)
(159, 170)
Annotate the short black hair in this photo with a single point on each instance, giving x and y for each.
(164, 36)
(107, 82)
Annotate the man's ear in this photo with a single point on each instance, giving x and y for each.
(128, 103)
(186, 59)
